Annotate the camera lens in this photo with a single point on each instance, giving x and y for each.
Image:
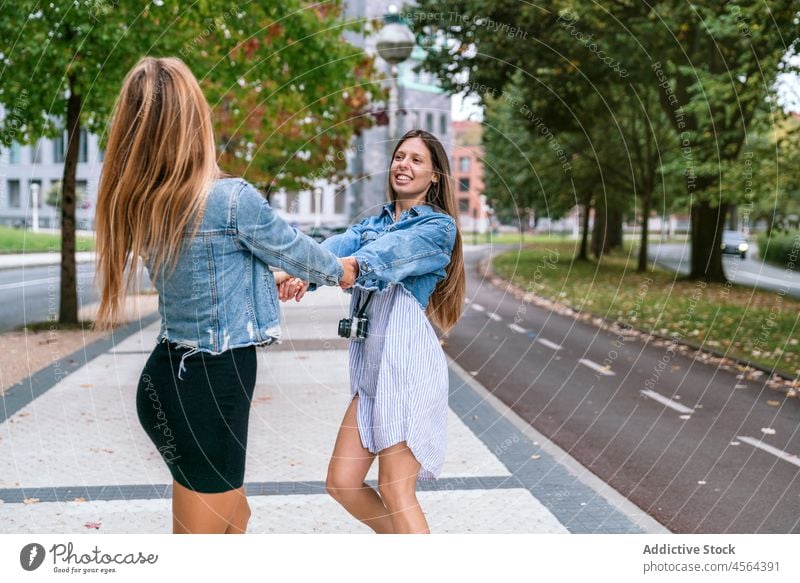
(345, 326)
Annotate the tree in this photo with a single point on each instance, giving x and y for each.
(63, 65)
(714, 65)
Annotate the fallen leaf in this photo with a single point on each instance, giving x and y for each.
(768, 431)
(30, 501)
(735, 442)
(94, 525)
(772, 403)
(87, 386)
(535, 456)
(79, 499)
(701, 482)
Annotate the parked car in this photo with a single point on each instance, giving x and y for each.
(319, 234)
(734, 243)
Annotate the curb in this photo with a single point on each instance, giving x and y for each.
(485, 266)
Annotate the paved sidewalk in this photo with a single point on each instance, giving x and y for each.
(73, 458)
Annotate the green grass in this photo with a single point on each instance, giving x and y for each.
(756, 326)
(25, 241)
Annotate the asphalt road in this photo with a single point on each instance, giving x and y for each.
(751, 272)
(702, 453)
(32, 294)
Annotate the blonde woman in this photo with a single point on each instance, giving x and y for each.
(410, 266)
(207, 243)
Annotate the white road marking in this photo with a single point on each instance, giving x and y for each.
(549, 344)
(478, 307)
(792, 459)
(597, 367)
(29, 282)
(495, 317)
(517, 328)
(668, 402)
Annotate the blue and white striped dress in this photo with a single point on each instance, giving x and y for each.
(400, 376)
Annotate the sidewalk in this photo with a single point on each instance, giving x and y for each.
(73, 458)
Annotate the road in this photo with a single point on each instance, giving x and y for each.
(32, 294)
(752, 272)
(702, 452)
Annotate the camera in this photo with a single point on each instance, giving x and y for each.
(354, 328)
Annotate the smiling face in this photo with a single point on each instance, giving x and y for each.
(412, 170)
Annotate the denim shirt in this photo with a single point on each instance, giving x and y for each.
(412, 251)
(222, 294)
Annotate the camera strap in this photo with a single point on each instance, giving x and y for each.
(362, 309)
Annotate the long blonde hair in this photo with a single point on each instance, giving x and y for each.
(447, 299)
(159, 164)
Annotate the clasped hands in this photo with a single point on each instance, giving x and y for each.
(293, 287)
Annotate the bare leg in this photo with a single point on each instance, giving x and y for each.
(348, 467)
(397, 482)
(199, 513)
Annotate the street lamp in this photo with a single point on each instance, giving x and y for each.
(317, 207)
(394, 44)
(35, 203)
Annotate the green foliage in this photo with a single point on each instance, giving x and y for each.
(279, 77)
(781, 248)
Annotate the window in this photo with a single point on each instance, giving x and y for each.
(101, 155)
(83, 147)
(81, 190)
(13, 194)
(36, 152)
(443, 124)
(463, 185)
(14, 153)
(292, 203)
(463, 163)
(40, 195)
(339, 200)
(59, 149)
(429, 122)
(463, 206)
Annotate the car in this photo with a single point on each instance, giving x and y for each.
(734, 243)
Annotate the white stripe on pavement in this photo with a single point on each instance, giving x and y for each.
(549, 344)
(518, 329)
(597, 367)
(495, 317)
(792, 459)
(674, 405)
(30, 282)
(478, 307)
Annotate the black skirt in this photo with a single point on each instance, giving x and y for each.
(199, 424)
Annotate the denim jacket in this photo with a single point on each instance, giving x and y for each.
(222, 294)
(412, 251)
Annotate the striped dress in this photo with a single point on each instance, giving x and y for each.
(400, 376)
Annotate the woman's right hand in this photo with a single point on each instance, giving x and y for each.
(350, 266)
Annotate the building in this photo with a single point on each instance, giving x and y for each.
(421, 104)
(42, 164)
(467, 169)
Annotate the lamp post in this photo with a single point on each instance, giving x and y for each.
(35, 204)
(317, 206)
(394, 44)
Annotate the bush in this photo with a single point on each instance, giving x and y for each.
(780, 248)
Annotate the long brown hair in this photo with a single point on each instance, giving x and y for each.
(447, 300)
(159, 164)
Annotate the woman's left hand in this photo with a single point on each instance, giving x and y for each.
(280, 277)
(292, 288)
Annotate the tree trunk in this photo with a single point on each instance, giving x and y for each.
(614, 232)
(646, 202)
(68, 309)
(583, 254)
(607, 230)
(706, 236)
(733, 223)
